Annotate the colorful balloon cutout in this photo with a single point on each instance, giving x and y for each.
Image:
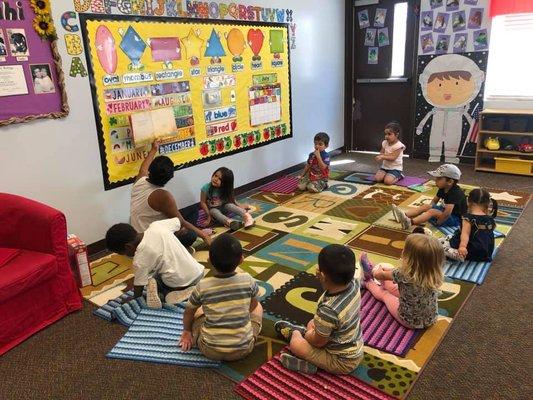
(255, 40)
(276, 41)
(236, 42)
(214, 46)
(105, 49)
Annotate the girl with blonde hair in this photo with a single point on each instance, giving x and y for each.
(410, 291)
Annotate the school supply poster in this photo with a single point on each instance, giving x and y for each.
(204, 89)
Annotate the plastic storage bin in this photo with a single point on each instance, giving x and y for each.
(514, 165)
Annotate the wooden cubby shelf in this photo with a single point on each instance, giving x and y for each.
(510, 126)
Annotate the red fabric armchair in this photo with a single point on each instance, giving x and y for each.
(37, 287)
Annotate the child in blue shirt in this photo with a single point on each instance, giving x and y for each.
(315, 175)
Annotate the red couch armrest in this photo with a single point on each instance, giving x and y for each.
(28, 224)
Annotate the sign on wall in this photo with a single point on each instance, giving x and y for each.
(204, 89)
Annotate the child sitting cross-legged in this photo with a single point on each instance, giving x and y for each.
(332, 340)
(223, 316)
(474, 240)
(410, 292)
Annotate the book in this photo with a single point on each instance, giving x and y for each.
(147, 126)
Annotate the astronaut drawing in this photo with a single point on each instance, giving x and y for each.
(449, 83)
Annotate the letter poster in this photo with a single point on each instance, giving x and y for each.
(203, 89)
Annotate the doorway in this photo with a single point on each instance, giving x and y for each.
(381, 44)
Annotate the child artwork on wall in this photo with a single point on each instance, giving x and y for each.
(452, 5)
(3, 47)
(449, 83)
(443, 42)
(459, 21)
(441, 22)
(381, 16)
(460, 41)
(471, 2)
(427, 43)
(475, 18)
(373, 55)
(427, 21)
(435, 3)
(383, 37)
(370, 37)
(364, 20)
(481, 40)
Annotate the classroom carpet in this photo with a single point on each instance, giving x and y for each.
(290, 230)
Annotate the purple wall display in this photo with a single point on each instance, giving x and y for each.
(31, 77)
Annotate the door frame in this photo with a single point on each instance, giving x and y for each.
(349, 72)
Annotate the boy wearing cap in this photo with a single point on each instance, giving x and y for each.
(446, 179)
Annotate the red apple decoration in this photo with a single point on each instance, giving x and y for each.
(266, 134)
(220, 145)
(204, 149)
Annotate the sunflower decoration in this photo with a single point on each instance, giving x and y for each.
(44, 27)
(41, 7)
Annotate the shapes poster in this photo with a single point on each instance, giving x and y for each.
(217, 87)
(453, 26)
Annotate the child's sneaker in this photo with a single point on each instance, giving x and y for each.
(235, 225)
(152, 297)
(297, 364)
(285, 329)
(179, 296)
(367, 267)
(404, 219)
(248, 221)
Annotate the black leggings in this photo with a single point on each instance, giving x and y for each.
(186, 236)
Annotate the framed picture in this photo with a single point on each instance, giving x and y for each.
(42, 79)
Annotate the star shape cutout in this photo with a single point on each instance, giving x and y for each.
(505, 196)
(192, 44)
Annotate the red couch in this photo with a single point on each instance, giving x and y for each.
(36, 283)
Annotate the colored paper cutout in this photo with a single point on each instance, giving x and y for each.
(105, 49)
(214, 46)
(77, 68)
(68, 21)
(133, 46)
(73, 44)
(255, 41)
(276, 41)
(236, 43)
(192, 44)
(165, 48)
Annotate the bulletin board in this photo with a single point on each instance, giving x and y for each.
(31, 77)
(205, 89)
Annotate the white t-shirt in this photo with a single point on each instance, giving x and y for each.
(141, 214)
(161, 253)
(388, 149)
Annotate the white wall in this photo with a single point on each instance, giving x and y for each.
(57, 162)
